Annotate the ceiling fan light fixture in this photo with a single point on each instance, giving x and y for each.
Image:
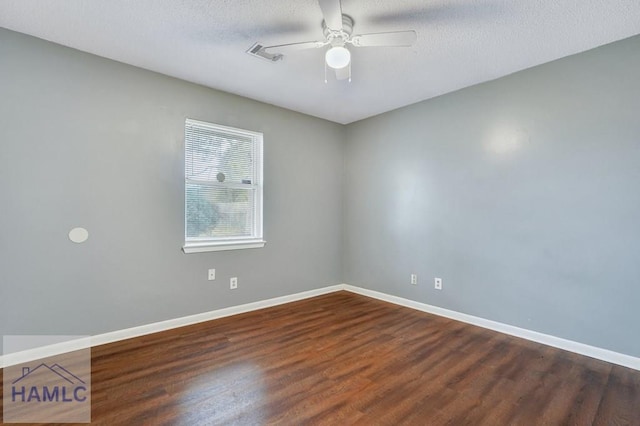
(338, 57)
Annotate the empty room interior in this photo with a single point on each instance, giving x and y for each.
(332, 212)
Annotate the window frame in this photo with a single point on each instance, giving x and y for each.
(256, 240)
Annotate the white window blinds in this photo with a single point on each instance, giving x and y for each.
(223, 186)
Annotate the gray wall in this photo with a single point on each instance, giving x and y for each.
(523, 194)
(85, 141)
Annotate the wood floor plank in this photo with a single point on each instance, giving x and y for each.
(620, 404)
(345, 359)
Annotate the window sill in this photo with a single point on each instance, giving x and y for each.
(236, 245)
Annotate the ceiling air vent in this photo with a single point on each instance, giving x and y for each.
(257, 50)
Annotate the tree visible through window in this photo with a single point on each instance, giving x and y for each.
(223, 187)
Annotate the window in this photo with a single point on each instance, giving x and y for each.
(223, 188)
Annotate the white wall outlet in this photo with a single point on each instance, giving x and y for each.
(233, 283)
(212, 274)
(438, 283)
(414, 279)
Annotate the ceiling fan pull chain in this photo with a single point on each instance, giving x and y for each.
(325, 72)
(349, 72)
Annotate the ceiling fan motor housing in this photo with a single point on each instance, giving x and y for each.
(338, 37)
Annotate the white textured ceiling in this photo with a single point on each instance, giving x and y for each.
(460, 43)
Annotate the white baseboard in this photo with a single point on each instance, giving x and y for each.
(114, 336)
(556, 342)
(128, 333)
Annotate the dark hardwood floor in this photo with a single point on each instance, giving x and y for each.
(344, 359)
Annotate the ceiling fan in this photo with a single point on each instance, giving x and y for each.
(338, 33)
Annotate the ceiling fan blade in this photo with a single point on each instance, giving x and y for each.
(332, 13)
(395, 38)
(292, 47)
(343, 73)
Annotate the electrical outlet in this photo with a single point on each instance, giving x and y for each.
(438, 283)
(414, 279)
(212, 274)
(233, 283)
